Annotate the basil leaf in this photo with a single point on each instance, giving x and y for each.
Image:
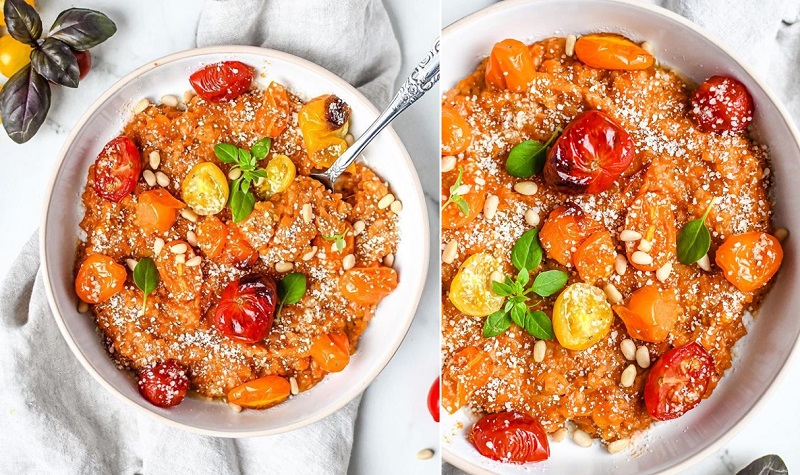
(260, 173)
(538, 325)
(458, 180)
(549, 282)
(462, 205)
(523, 277)
(246, 160)
(496, 323)
(24, 102)
(518, 312)
(242, 204)
(292, 288)
(501, 289)
(226, 153)
(766, 465)
(22, 22)
(55, 61)
(261, 148)
(527, 253)
(82, 29)
(145, 275)
(694, 240)
(527, 158)
(508, 306)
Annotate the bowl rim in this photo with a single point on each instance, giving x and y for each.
(451, 456)
(355, 389)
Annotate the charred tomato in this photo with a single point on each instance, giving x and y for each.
(247, 308)
(722, 104)
(221, 82)
(117, 169)
(164, 384)
(678, 381)
(510, 437)
(433, 400)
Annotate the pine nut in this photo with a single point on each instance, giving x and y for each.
(781, 234)
(386, 201)
(628, 348)
(704, 263)
(450, 252)
(307, 213)
(149, 177)
(480, 181)
(664, 271)
(310, 254)
(188, 96)
(194, 261)
(388, 261)
(448, 163)
(83, 307)
(396, 206)
(189, 215)
(359, 227)
(645, 245)
(618, 445)
(620, 264)
(647, 46)
(169, 100)
(641, 258)
(569, 46)
(539, 350)
(284, 266)
(293, 385)
(348, 262)
(158, 245)
(495, 276)
(532, 217)
(559, 435)
(527, 188)
(463, 190)
(612, 294)
(162, 179)
(235, 173)
(629, 236)
(643, 357)
(349, 139)
(179, 248)
(141, 106)
(180, 258)
(154, 159)
(191, 238)
(628, 376)
(582, 438)
(131, 263)
(425, 454)
(490, 207)
(235, 407)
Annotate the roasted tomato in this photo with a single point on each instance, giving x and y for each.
(324, 123)
(471, 288)
(468, 370)
(238, 250)
(14, 55)
(280, 174)
(456, 132)
(261, 393)
(183, 282)
(650, 314)
(510, 437)
(565, 229)
(221, 82)
(117, 169)
(594, 258)
(157, 210)
(581, 316)
(722, 104)
(610, 51)
(651, 215)
(368, 285)
(589, 156)
(246, 308)
(212, 234)
(510, 66)
(749, 260)
(164, 384)
(678, 381)
(99, 278)
(84, 59)
(276, 113)
(205, 189)
(433, 400)
(331, 351)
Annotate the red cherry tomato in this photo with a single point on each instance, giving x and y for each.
(164, 384)
(84, 62)
(246, 308)
(433, 400)
(220, 82)
(590, 155)
(117, 169)
(722, 104)
(678, 381)
(510, 437)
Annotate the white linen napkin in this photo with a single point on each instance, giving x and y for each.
(54, 418)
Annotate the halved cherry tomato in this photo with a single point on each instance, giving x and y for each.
(565, 229)
(84, 59)
(510, 437)
(468, 370)
(14, 55)
(722, 104)
(182, 282)
(205, 189)
(749, 260)
(280, 174)
(456, 132)
(589, 156)
(368, 285)
(157, 210)
(650, 314)
(651, 215)
(581, 316)
(164, 384)
(324, 123)
(221, 82)
(510, 66)
(610, 51)
(594, 258)
(433, 400)
(471, 288)
(261, 393)
(238, 250)
(331, 351)
(99, 278)
(2, 15)
(212, 234)
(117, 169)
(274, 118)
(246, 308)
(678, 381)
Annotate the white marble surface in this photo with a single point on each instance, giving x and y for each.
(393, 423)
(774, 430)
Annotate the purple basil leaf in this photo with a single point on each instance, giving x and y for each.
(766, 465)
(55, 61)
(24, 102)
(82, 29)
(22, 21)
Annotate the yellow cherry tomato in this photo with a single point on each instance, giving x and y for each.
(471, 290)
(13, 55)
(205, 189)
(3, 18)
(581, 316)
(280, 174)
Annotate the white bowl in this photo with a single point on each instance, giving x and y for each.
(772, 341)
(60, 233)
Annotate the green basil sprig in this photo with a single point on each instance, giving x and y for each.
(455, 197)
(242, 200)
(290, 290)
(694, 240)
(145, 276)
(527, 158)
(338, 240)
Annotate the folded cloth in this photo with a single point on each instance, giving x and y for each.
(56, 419)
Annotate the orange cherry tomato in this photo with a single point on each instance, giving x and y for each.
(456, 132)
(238, 250)
(277, 110)
(749, 260)
(157, 210)
(182, 282)
(594, 258)
(651, 215)
(324, 123)
(99, 278)
(565, 229)
(368, 285)
(651, 313)
(510, 66)
(261, 393)
(331, 351)
(609, 51)
(212, 235)
(468, 370)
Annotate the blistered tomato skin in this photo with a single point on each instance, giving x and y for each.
(433, 400)
(589, 156)
(722, 105)
(117, 169)
(221, 82)
(678, 381)
(611, 51)
(164, 384)
(749, 260)
(510, 437)
(510, 66)
(247, 308)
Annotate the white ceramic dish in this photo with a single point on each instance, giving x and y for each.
(60, 233)
(772, 341)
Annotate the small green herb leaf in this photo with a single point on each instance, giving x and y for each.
(261, 148)
(455, 197)
(501, 289)
(527, 253)
(226, 153)
(549, 282)
(463, 206)
(82, 29)
(538, 325)
(241, 203)
(338, 240)
(290, 290)
(523, 277)
(496, 323)
(527, 158)
(518, 312)
(145, 276)
(22, 22)
(694, 239)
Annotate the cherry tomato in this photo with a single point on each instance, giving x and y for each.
(510, 66)
(280, 174)
(565, 229)
(368, 285)
(238, 250)
(581, 316)
(84, 62)
(276, 113)
(468, 370)
(749, 260)
(157, 210)
(183, 282)
(212, 234)
(331, 351)
(589, 156)
(117, 169)
(164, 384)
(324, 123)
(594, 258)
(261, 393)
(471, 288)
(722, 104)
(651, 313)
(678, 381)
(205, 189)
(433, 400)
(99, 278)
(221, 82)
(610, 51)
(456, 132)
(651, 215)
(246, 308)
(14, 55)
(2, 15)
(510, 437)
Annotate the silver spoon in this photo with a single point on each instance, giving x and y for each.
(421, 80)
